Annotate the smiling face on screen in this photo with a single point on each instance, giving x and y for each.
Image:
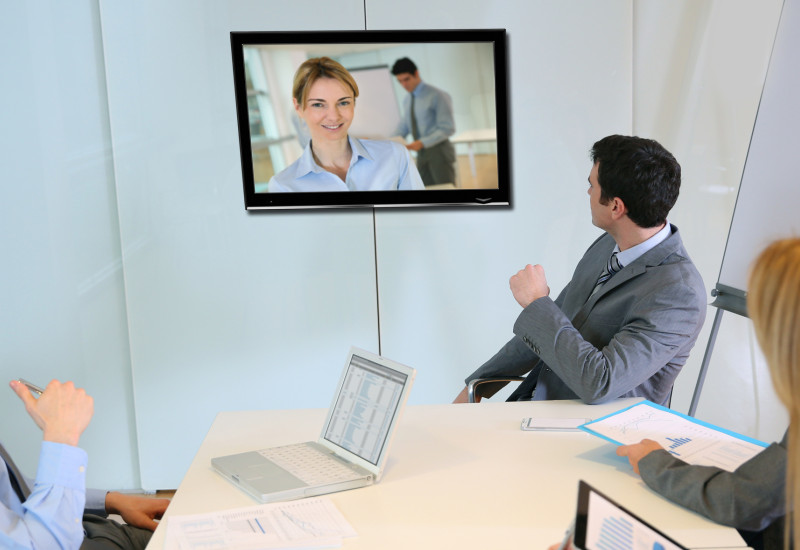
(328, 110)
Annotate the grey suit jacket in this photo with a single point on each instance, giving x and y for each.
(629, 339)
(752, 498)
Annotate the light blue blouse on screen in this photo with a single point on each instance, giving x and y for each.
(375, 166)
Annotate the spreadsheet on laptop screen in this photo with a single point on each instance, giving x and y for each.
(365, 407)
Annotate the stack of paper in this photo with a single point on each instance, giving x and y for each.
(309, 523)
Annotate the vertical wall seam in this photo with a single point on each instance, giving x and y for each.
(138, 456)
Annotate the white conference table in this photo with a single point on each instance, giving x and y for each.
(458, 476)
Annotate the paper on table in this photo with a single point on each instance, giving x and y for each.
(309, 523)
(689, 439)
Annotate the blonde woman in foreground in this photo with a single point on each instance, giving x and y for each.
(756, 496)
(773, 303)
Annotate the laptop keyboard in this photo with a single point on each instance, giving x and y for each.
(311, 465)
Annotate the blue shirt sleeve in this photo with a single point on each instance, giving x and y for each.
(376, 165)
(52, 515)
(96, 502)
(438, 124)
(409, 175)
(434, 113)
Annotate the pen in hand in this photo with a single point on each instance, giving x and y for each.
(565, 544)
(31, 386)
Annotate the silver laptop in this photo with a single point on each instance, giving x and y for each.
(353, 446)
(602, 524)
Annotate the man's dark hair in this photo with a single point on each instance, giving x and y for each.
(644, 175)
(403, 65)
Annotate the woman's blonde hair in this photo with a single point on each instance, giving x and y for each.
(320, 67)
(773, 303)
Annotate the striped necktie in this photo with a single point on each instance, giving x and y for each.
(414, 128)
(612, 266)
(16, 478)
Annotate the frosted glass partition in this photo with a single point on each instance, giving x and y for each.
(227, 310)
(62, 309)
(699, 73)
(230, 310)
(570, 84)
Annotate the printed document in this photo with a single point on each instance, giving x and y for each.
(308, 523)
(691, 440)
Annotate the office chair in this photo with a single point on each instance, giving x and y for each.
(473, 384)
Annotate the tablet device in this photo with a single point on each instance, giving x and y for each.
(602, 524)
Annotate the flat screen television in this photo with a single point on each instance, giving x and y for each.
(277, 138)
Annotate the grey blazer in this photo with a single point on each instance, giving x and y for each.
(629, 339)
(752, 498)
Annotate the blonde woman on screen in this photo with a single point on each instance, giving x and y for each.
(324, 96)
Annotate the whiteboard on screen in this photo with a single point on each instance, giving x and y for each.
(377, 112)
(769, 194)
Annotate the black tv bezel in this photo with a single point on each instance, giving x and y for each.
(501, 196)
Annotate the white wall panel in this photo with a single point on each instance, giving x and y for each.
(62, 310)
(227, 310)
(443, 273)
(699, 69)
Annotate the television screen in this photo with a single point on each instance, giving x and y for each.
(372, 118)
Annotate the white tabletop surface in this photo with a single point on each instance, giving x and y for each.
(458, 476)
(471, 136)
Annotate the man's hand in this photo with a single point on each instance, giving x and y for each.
(62, 411)
(137, 511)
(638, 451)
(529, 284)
(415, 146)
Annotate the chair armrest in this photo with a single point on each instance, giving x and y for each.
(473, 384)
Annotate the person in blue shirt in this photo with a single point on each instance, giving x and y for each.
(324, 96)
(56, 510)
(429, 120)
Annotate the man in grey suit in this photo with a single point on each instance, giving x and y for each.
(625, 323)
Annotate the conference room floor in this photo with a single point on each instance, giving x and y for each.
(485, 172)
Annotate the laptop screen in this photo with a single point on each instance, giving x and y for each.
(602, 524)
(365, 408)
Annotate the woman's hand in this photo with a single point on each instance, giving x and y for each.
(638, 451)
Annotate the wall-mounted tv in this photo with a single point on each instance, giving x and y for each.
(372, 118)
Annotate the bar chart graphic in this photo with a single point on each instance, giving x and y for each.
(691, 440)
(611, 527)
(677, 442)
(616, 533)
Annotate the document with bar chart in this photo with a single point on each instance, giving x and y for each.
(689, 439)
(301, 524)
